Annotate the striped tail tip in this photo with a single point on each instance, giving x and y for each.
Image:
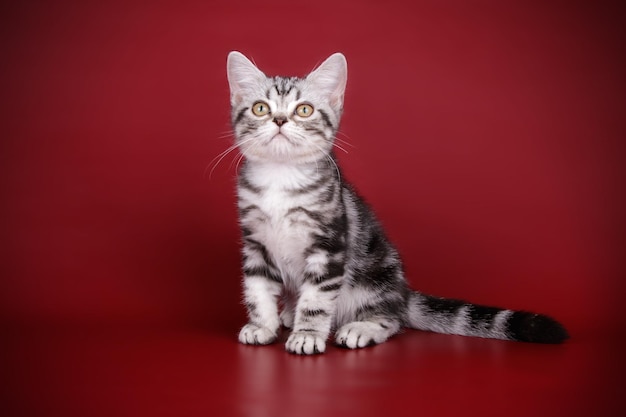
(535, 328)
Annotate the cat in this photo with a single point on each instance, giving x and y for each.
(315, 258)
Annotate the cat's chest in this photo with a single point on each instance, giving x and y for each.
(276, 218)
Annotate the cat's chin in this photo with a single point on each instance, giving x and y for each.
(280, 136)
(282, 150)
(287, 158)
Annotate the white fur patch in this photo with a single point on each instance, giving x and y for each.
(498, 329)
(461, 321)
(317, 263)
(360, 334)
(251, 334)
(285, 234)
(264, 295)
(350, 300)
(302, 343)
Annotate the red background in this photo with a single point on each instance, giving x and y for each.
(489, 137)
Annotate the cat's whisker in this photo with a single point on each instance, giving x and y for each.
(340, 147)
(317, 166)
(343, 141)
(336, 167)
(239, 160)
(331, 159)
(225, 135)
(220, 157)
(216, 161)
(235, 161)
(339, 142)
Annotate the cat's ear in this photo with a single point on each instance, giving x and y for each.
(243, 76)
(330, 78)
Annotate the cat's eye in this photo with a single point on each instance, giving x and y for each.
(304, 110)
(260, 108)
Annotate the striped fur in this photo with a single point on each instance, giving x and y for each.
(315, 259)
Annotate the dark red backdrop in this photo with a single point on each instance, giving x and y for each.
(488, 136)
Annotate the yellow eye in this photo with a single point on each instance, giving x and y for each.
(304, 110)
(260, 108)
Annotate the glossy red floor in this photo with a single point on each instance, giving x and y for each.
(197, 372)
(488, 137)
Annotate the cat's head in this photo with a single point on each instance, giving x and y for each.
(286, 119)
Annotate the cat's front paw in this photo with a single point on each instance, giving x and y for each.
(251, 334)
(305, 343)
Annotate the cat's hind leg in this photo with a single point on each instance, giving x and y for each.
(359, 334)
(369, 315)
(287, 318)
(287, 314)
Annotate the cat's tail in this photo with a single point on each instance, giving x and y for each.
(444, 315)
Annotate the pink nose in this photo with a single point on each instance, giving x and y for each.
(280, 120)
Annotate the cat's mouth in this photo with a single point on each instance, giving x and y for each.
(280, 136)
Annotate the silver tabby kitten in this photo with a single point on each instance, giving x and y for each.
(315, 259)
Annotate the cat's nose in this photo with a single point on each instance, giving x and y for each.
(280, 120)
